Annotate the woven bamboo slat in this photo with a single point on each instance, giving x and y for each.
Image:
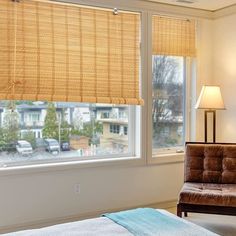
(64, 52)
(172, 36)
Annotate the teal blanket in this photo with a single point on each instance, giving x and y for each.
(150, 222)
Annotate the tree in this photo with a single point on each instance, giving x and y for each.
(10, 131)
(52, 125)
(30, 137)
(65, 130)
(92, 128)
(89, 130)
(167, 96)
(3, 142)
(50, 129)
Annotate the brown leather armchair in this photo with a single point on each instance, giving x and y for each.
(210, 179)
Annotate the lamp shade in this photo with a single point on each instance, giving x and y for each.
(210, 98)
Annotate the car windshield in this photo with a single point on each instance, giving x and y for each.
(25, 145)
(53, 143)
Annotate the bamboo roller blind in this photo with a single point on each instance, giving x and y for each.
(64, 52)
(172, 36)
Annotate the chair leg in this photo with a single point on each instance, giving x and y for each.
(179, 211)
(185, 214)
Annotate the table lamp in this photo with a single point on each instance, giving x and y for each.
(211, 100)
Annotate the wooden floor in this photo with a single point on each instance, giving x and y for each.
(222, 225)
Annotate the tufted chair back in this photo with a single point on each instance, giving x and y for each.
(210, 163)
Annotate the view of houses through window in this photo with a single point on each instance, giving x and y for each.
(168, 102)
(46, 130)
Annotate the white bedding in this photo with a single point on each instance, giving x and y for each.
(102, 226)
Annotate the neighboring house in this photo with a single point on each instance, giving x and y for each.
(115, 127)
(115, 134)
(32, 116)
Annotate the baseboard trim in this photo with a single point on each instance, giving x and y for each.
(60, 220)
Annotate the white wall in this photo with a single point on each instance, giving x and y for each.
(204, 68)
(224, 73)
(35, 197)
(32, 197)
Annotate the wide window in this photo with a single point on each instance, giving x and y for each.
(34, 131)
(69, 79)
(168, 96)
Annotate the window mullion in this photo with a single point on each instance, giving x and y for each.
(131, 130)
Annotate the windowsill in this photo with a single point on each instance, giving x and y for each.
(168, 158)
(71, 165)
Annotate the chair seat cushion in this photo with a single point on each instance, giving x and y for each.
(208, 194)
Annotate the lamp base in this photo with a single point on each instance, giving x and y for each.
(214, 124)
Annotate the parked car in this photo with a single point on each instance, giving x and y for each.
(24, 148)
(52, 145)
(65, 146)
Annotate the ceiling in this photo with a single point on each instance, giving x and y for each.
(211, 5)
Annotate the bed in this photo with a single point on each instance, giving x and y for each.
(138, 222)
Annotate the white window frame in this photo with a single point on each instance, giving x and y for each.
(172, 155)
(142, 153)
(136, 131)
